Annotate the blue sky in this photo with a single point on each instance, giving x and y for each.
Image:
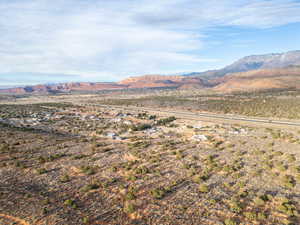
(46, 41)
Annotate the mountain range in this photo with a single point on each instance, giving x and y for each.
(251, 73)
(255, 62)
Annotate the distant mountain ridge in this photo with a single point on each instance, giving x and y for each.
(146, 81)
(65, 87)
(254, 62)
(256, 72)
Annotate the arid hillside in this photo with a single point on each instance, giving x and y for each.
(257, 80)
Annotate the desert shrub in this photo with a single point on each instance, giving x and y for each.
(235, 206)
(287, 207)
(250, 215)
(141, 170)
(4, 148)
(165, 121)
(280, 166)
(259, 201)
(129, 208)
(139, 144)
(179, 155)
(88, 170)
(131, 177)
(50, 158)
(203, 176)
(261, 216)
(291, 158)
(158, 193)
(41, 170)
(79, 156)
(90, 187)
(65, 178)
(230, 222)
(85, 220)
(20, 164)
(288, 181)
(131, 193)
(70, 203)
(203, 188)
(279, 153)
(141, 127)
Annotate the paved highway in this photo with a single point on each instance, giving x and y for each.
(198, 116)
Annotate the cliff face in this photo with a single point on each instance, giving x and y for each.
(150, 78)
(13, 90)
(149, 81)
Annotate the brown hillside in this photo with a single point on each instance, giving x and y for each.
(259, 80)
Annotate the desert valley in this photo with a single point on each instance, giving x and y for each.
(220, 147)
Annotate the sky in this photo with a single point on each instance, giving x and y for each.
(43, 41)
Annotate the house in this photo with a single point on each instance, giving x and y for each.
(116, 120)
(199, 137)
(127, 122)
(111, 135)
(197, 126)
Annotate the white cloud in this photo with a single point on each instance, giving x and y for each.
(116, 38)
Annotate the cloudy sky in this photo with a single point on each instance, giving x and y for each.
(45, 41)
